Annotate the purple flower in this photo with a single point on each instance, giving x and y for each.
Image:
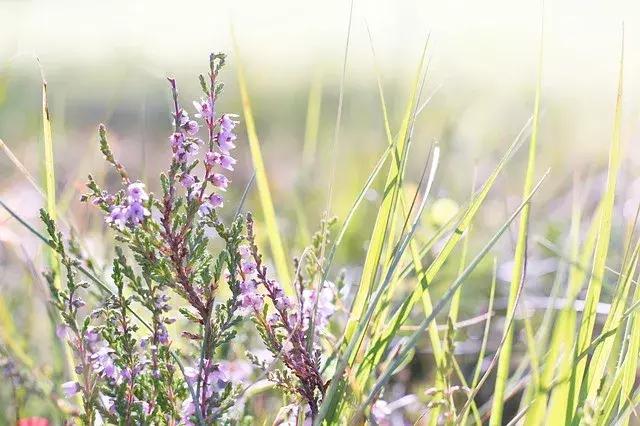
(92, 336)
(244, 251)
(108, 403)
(227, 162)
(183, 118)
(205, 109)
(226, 135)
(187, 411)
(216, 201)
(136, 213)
(205, 208)
(274, 319)
(248, 267)
(380, 412)
(162, 334)
(191, 374)
(218, 377)
(187, 180)
(63, 332)
(191, 149)
(102, 363)
(225, 142)
(117, 216)
(191, 127)
(283, 303)
(211, 158)
(324, 309)
(228, 123)
(70, 388)
(220, 181)
(176, 139)
(236, 371)
(136, 192)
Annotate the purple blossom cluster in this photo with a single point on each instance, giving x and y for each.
(132, 211)
(213, 378)
(185, 146)
(285, 328)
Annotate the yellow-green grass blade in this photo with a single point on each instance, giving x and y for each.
(337, 386)
(603, 353)
(262, 181)
(601, 249)
(520, 257)
(10, 337)
(49, 175)
(483, 347)
(564, 336)
(384, 337)
(312, 126)
(559, 348)
(614, 391)
(50, 190)
(16, 162)
(630, 364)
(610, 393)
(363, 373)
(455, 301)
(405, 347)
(384, 217)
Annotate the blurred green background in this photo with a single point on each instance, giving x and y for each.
(107, 62)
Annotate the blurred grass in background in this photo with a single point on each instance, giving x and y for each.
(107, 63)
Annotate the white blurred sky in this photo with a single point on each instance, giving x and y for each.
(488, 42)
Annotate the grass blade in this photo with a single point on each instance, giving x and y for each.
(410, 344)
(601, 249)
(519, 262)
(384, 337)
(312, 126)
(262, 182)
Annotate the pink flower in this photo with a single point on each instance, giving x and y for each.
(33, 421)
(381, 412)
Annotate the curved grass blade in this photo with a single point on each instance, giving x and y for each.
(262, 181)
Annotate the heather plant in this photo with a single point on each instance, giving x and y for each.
(128, 367)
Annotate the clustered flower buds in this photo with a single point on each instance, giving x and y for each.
(132, 211)
(285, 328)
